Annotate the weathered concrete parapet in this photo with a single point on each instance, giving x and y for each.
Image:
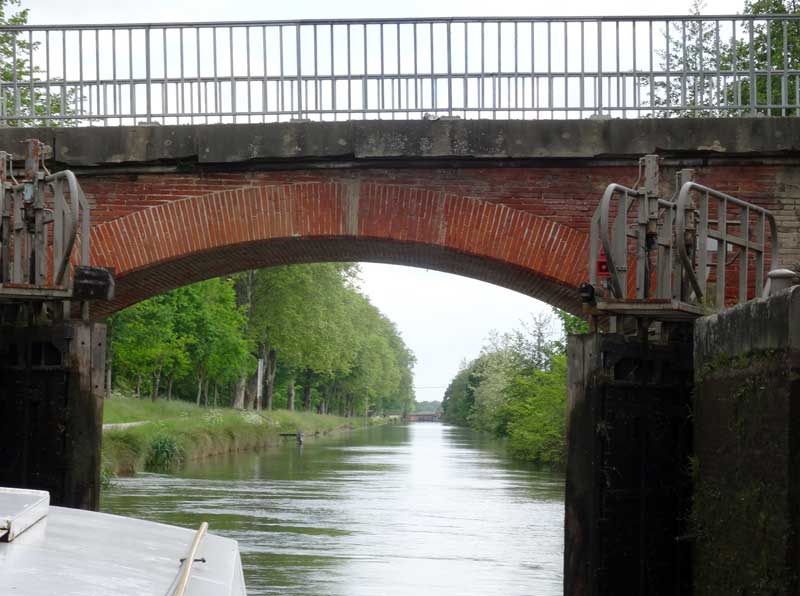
(768, 324)
(746, 512)
(470, 140)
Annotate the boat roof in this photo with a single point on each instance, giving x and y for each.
(47, 550)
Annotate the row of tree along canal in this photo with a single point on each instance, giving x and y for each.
(304, 327)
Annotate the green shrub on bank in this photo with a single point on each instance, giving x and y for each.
(164, 455)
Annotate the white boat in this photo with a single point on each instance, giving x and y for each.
(47, 550)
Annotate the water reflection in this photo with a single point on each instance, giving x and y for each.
(400, 510)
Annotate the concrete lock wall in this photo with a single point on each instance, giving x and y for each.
(746, 507)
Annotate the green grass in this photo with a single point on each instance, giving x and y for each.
(180, 431)
(124, 408)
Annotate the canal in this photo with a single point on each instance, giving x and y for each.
(393, 510)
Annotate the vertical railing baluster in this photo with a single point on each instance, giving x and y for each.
(233, 77)
(349, 75)
(249, 86)
(281, 97)
(265, 79)
(182, 74)
(751, 57)
(334, 88)
(47, 76)
(32, 96)
(417, 87)
(148, 81)
(599, 93)
(399, 105)
(366, 78)
(449, 71)
(718, 60)
(381, 77)
(164, 83)
(15, 78)
(784, 74)
(299, 59)
(566, 72)
(583, 72)
(550, 70)
(769, 68)
(466, 68)
(434, 103)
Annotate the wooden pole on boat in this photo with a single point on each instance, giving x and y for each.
(186, 564)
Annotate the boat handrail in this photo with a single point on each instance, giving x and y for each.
(186, 563)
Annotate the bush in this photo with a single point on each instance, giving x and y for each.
(164, 455)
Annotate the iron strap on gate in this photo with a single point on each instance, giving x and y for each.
(482, 67)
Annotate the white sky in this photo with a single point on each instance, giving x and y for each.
(443, 318)
(117, 11)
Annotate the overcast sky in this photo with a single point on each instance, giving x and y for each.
(443, 318)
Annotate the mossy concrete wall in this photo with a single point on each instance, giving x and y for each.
(746, 506)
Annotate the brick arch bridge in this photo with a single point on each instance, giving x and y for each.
(218, 233)
(505, 202)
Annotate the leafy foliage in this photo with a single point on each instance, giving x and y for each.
(716, 71)
(427, 406)
(309, 323)
(31, 103)
(516, 389)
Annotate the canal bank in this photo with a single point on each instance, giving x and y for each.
(178, 434)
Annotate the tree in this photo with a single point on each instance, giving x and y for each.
(690, 55)
(516, 389)
(28, 103)
(196, 329)
(775, 49)
(715, 71)
(295, 315)
(310, 325)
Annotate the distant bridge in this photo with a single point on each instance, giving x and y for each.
(423, 417)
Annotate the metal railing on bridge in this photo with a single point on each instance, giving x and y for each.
(515, 68)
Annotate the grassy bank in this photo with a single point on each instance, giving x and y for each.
(177, 432)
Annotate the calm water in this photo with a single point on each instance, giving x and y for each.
(424, 509)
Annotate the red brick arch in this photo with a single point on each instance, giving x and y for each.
(175, 243)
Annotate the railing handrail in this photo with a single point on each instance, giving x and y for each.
(683, 203)
(611, 191)
(408, 20)
(661, 225)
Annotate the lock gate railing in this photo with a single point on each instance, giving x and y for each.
(44, 238)
(697, 251)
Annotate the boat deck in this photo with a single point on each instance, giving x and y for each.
(72, 552)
